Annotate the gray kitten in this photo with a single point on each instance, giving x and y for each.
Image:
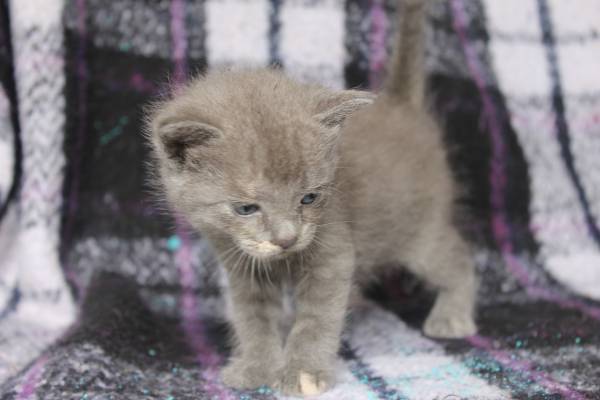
(299, 186)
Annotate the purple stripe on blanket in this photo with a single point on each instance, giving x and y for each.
(206, 356)
(524, 367)
(500, 226)
(32, 378)
(178, 41)
(377, 40)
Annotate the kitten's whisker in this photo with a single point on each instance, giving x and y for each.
(335, 222)
(303, 272)
(229, 249)
(252, 273)
(334, 189)
(236, 266)
(312, 252)
(242, 265)
(244, 269)
(229, 257)
(246, 265)
(223, 257)
(321, 243)
(267, 268)
(228, 266)
(219, 259)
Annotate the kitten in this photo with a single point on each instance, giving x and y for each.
(249, 159)
(298, 185)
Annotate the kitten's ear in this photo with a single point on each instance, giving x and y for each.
(337, 109)
(178, 138)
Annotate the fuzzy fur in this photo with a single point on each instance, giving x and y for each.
(385, 197)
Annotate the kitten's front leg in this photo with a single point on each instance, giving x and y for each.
(311, 348)
(258, 355)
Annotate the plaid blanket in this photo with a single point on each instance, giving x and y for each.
(100, 299)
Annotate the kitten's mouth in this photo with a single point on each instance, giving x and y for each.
(269, 251)
(266, 250)
(261, 250)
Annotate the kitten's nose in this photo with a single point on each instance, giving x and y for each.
(285, 243)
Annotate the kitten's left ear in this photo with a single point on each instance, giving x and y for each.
(337, 109)
(179, 138)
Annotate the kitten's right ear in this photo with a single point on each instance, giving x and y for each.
(333, 110)
(335, 116)
(178, 138)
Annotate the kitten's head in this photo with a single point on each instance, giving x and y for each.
(252, 156)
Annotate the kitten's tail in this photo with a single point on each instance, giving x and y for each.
(406, 69)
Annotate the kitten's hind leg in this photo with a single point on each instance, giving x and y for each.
(449, 267)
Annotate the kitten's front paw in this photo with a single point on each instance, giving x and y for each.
(242, 374)
(296, 381)
(449, 326)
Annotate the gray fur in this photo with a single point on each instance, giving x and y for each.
(386, 197)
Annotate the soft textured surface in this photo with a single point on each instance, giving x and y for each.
(100, 299)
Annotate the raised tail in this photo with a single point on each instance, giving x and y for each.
(406, 81)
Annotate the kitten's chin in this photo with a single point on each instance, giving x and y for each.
(267, 256)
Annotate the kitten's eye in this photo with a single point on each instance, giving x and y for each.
(246, 209)
(309, 198)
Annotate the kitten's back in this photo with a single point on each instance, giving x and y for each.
(395, 169)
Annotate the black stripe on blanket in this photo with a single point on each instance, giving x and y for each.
(8, 84)
(11, 304)
(104, 107)
(562, 129)
(356, 70)
(195, 30)
(275, 58)
(365, 375)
